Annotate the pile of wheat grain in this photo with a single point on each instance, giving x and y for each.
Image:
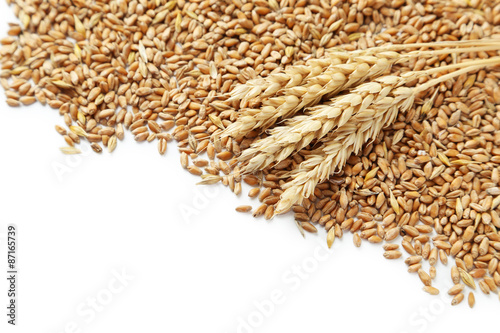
(354, 118)
(162, 70)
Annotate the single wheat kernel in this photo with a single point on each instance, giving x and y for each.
(431, 290)
(457, 299)
(243, 209)
(471, 300)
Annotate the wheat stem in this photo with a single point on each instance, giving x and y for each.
(470, 66)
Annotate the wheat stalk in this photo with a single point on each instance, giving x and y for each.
(300, 131)
(332, 155)
(294, 75)
(305, 85)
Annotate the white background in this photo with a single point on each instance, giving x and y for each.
(212, 271)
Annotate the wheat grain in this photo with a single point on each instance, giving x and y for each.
(243, 209)
(471, 300)
(467, 278)
(431, 290)
(151, 67)
(458, 288)
(457, 299)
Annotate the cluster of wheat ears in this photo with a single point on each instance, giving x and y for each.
(337, 104)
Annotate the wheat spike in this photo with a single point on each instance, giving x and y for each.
(338, 146)
(300, 131)
(310, 90)
(284, 94)
(294, 75)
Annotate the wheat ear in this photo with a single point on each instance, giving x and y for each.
(332, 155)
(300, 131)
(334, 79)
(302, 86)
(294, 75)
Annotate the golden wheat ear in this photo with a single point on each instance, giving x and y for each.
(363, 126)
(282, 95)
